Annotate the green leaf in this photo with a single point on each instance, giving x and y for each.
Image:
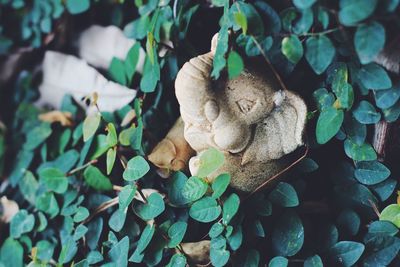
(119, 252)
(392, 214)
(210, 161)
(387, 98)
(219, 60)
(144, 240)
(323, 17)
(258, 229)
(278, 262)
(304, 23)
(216, 229)
(28, 186)
(373, 76)
(369, 40)
(136, 138)
(323, 98)
(230, 208)
(307, 165)
(205, 210)
(365, 113)
(319, 53)
(235, 64)
(45, 250)
(81, 214)
(117, 220)
(21, 223)
(154, 207)
(178, 260)
(138, 28)
(384, 189)
(90, 125)
(12, 252)
(284, 195)
(136, 168)
(346, 253)
(65, 162)
(292, 48)
(194, 188)
(111, 156)
(131, 61)
(241, 20)
(99, 146)
(112, 139)
(254, 23)
(353, 11)
(345, 96)
(371, 172)
(22, 162)
(126, 196)
(176, 233)
(383, 250)
(339, 76)
(313, 261)
(77, 6)
(392, 114)
(349, 221)
(117, 71)
(288, 234)
(37, 136)
(175, 188)
(329, 122)
(95, 229)
(48, 204)
(125, 136)
(219, 257)
(363, 152)
(80, 232)
(95, 179)
(68, 250)
(251, 47)
(236, 238)
(302, 4)
(262, 206)
(355, 130)
(94, 257)
(54, 180)
(220, 184)
(149, 80)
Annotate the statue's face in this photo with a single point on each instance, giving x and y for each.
(250, 97)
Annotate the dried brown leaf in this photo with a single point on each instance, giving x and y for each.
(64, 118)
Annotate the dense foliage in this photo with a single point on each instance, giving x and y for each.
(88, 196)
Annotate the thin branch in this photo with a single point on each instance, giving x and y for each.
(81, 167)
(102, 207)
(306, 34)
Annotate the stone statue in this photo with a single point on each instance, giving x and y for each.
(251, 118)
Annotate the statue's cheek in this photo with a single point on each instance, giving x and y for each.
(233, 137)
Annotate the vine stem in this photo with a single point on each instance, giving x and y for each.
(102, 207)
(314, 33)
(118, 188)
(81, 167)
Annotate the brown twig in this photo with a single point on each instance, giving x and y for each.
(271, 179)
(102, 207)
(81, 167)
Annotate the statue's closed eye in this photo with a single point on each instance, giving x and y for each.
(245, 105)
